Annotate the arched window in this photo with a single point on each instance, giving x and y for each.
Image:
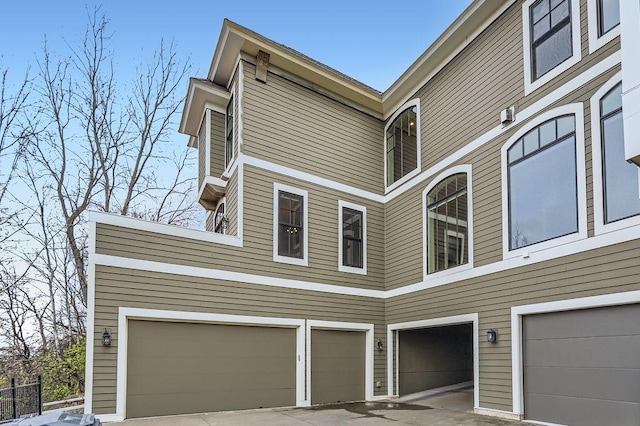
(402, 144)
(542, 183)
(447, 213)
(620, 179)
(220, 220)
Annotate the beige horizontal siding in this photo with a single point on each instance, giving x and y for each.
(117, 287)
(288, 124)
(256, 256)
(602, 271)
(232, 204)
(217, 143)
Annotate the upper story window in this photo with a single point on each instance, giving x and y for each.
(402, 144)
(616, 184)
(352, 242)
(290, 225)
(447, 224)
(220, 220)
(228, 145)
(552, 39)
(542, 183)
(604, 22)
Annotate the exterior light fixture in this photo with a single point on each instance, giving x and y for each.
(492, 335)
(106, 338)
(380, 345)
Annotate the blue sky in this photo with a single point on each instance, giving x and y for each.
(372, 41)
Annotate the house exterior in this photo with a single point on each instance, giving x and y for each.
(478, 221)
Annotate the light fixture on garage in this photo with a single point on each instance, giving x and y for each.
(492, 335)
(106, 338)
(380, 345)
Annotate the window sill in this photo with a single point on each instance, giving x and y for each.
(525, 252)
(402, 180)
(447, 272)
(291, 260)
(352, 270)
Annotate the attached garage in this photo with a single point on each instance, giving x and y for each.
(337, 366)
(177, 367)
(583, 366)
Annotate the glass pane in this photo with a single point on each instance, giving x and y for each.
(530, 142)
(552, 51)
(515, 152)
(541, 28)
(566, 125)
(554, 3)
(539, 10)
(547, 133)
(622, 194)
(543, 196)
(611, 101)
(402, 146)
(559, 13)
(610, 15)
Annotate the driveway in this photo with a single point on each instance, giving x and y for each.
(363, 413)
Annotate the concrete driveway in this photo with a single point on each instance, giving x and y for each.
(365, 413)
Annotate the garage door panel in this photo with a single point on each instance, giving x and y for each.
(176, 368)
(583, 412)
(588, 352)
(593, 383)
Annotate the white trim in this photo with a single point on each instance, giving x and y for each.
(596, 42)
(363, 210)
(596, 152)
(240, 201)
(577, 111)
(227, 166)
(221, 202)
(335, 325)
(304, 261)
(501, 414)
(307, 177)
(435, 322)
(207, 138)
(126, 313)
(529, 85)
(210, 180)
(523, 115)
(240, 111)
(407, 105)
(215, 108)
(108, 418)
(517, 312)
(468, 170)
(163, 229)
(91, 315)
(239, 277)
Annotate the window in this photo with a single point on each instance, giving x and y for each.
(228, 146)
(616, 184)
(551, 39)
(447, 224)
(604, 22)
(290, 225)
(402, 144)
(543, 193)
(220, 220)
(352, 238)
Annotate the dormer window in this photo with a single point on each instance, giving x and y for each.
(402, 145)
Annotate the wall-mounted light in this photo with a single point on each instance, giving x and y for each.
(106, 338)
(380, 345)
(492, 335)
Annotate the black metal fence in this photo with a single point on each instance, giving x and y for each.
(18, 401)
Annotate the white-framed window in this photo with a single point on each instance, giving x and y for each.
(551, 39)
(544, 183)
(616, 188)
(604, 22)
(447, 210)
(290, 225)
(352, 238)
(402, 145)
(220, 220)
(228, 133)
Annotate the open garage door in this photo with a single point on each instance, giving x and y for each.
(178, 368)
(583, 367)
(337, 366)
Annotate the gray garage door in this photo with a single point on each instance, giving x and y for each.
(583, 367)
(337, 366)
(177, 368)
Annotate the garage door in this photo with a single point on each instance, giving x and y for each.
(337, 366)
(583, 367)
(177, 368)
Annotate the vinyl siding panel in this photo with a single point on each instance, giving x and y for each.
(607, 270)
(202, 152)
(293, 126)
(217, 144)
(117, 287)
(256, 257)
(232, 204)
(210, 221)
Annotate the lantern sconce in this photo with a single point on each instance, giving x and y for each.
(106, 338)
(492, 336)
(380, 345)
